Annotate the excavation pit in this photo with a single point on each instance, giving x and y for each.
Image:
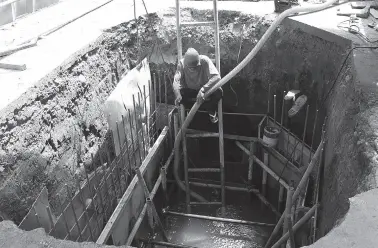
(300, 55)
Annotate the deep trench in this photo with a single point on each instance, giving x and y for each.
(297, 68)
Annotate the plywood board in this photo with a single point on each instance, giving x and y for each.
(131, 204)
(39, 207)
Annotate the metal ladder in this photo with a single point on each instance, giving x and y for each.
(221, 170)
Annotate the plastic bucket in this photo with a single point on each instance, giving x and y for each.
(270, 137)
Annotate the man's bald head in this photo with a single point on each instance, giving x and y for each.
(191, 58)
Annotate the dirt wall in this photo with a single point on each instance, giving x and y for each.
(48, 135)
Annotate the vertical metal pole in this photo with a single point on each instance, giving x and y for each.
(217, 47)
(85, 209)
(317, 185)
(221, 154)
(250, 162)
(97, 189)
(111, 174)
(120, 153)
(141, 126)
(132, 139)
(274, 109)
(288, 215)
(119, 139)
(105, 182)
(73, 210)
(187, 194)
(268, 110)
(159, 87)
(128, 151)
(147, 115)
(137, 131)
(127, 145)
(265, 174)
(287, 145)
(64, 217)
(289, 198)
(90, 189)
(102, 164)
(283, 108)
(178, 30)
(166, 98)
(313, 132)
(155, 103)
(304, 135)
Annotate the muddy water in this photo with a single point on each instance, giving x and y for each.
(203, 233)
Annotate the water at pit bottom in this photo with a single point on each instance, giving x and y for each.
(213, 234)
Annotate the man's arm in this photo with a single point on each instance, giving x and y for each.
(213, 76)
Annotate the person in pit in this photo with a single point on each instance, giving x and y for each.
(195, 75)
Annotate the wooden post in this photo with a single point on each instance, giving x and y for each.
(221, 154)
(185, 151)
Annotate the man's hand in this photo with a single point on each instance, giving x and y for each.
(178, 100)
(201, 95)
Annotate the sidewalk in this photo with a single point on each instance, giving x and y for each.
(58, 46)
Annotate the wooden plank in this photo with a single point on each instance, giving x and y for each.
(133, 199)
(196, 24)
(374, 13)
(15, 67)
(14, 49)
(3, 4)
(39, 207)
(198, 133)
(264, 166)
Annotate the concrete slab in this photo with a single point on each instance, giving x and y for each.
(359, 228)
(327, 24)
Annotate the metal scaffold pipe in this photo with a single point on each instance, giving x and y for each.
(298, 190)
(235, 71)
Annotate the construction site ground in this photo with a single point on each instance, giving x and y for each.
(358, 229)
